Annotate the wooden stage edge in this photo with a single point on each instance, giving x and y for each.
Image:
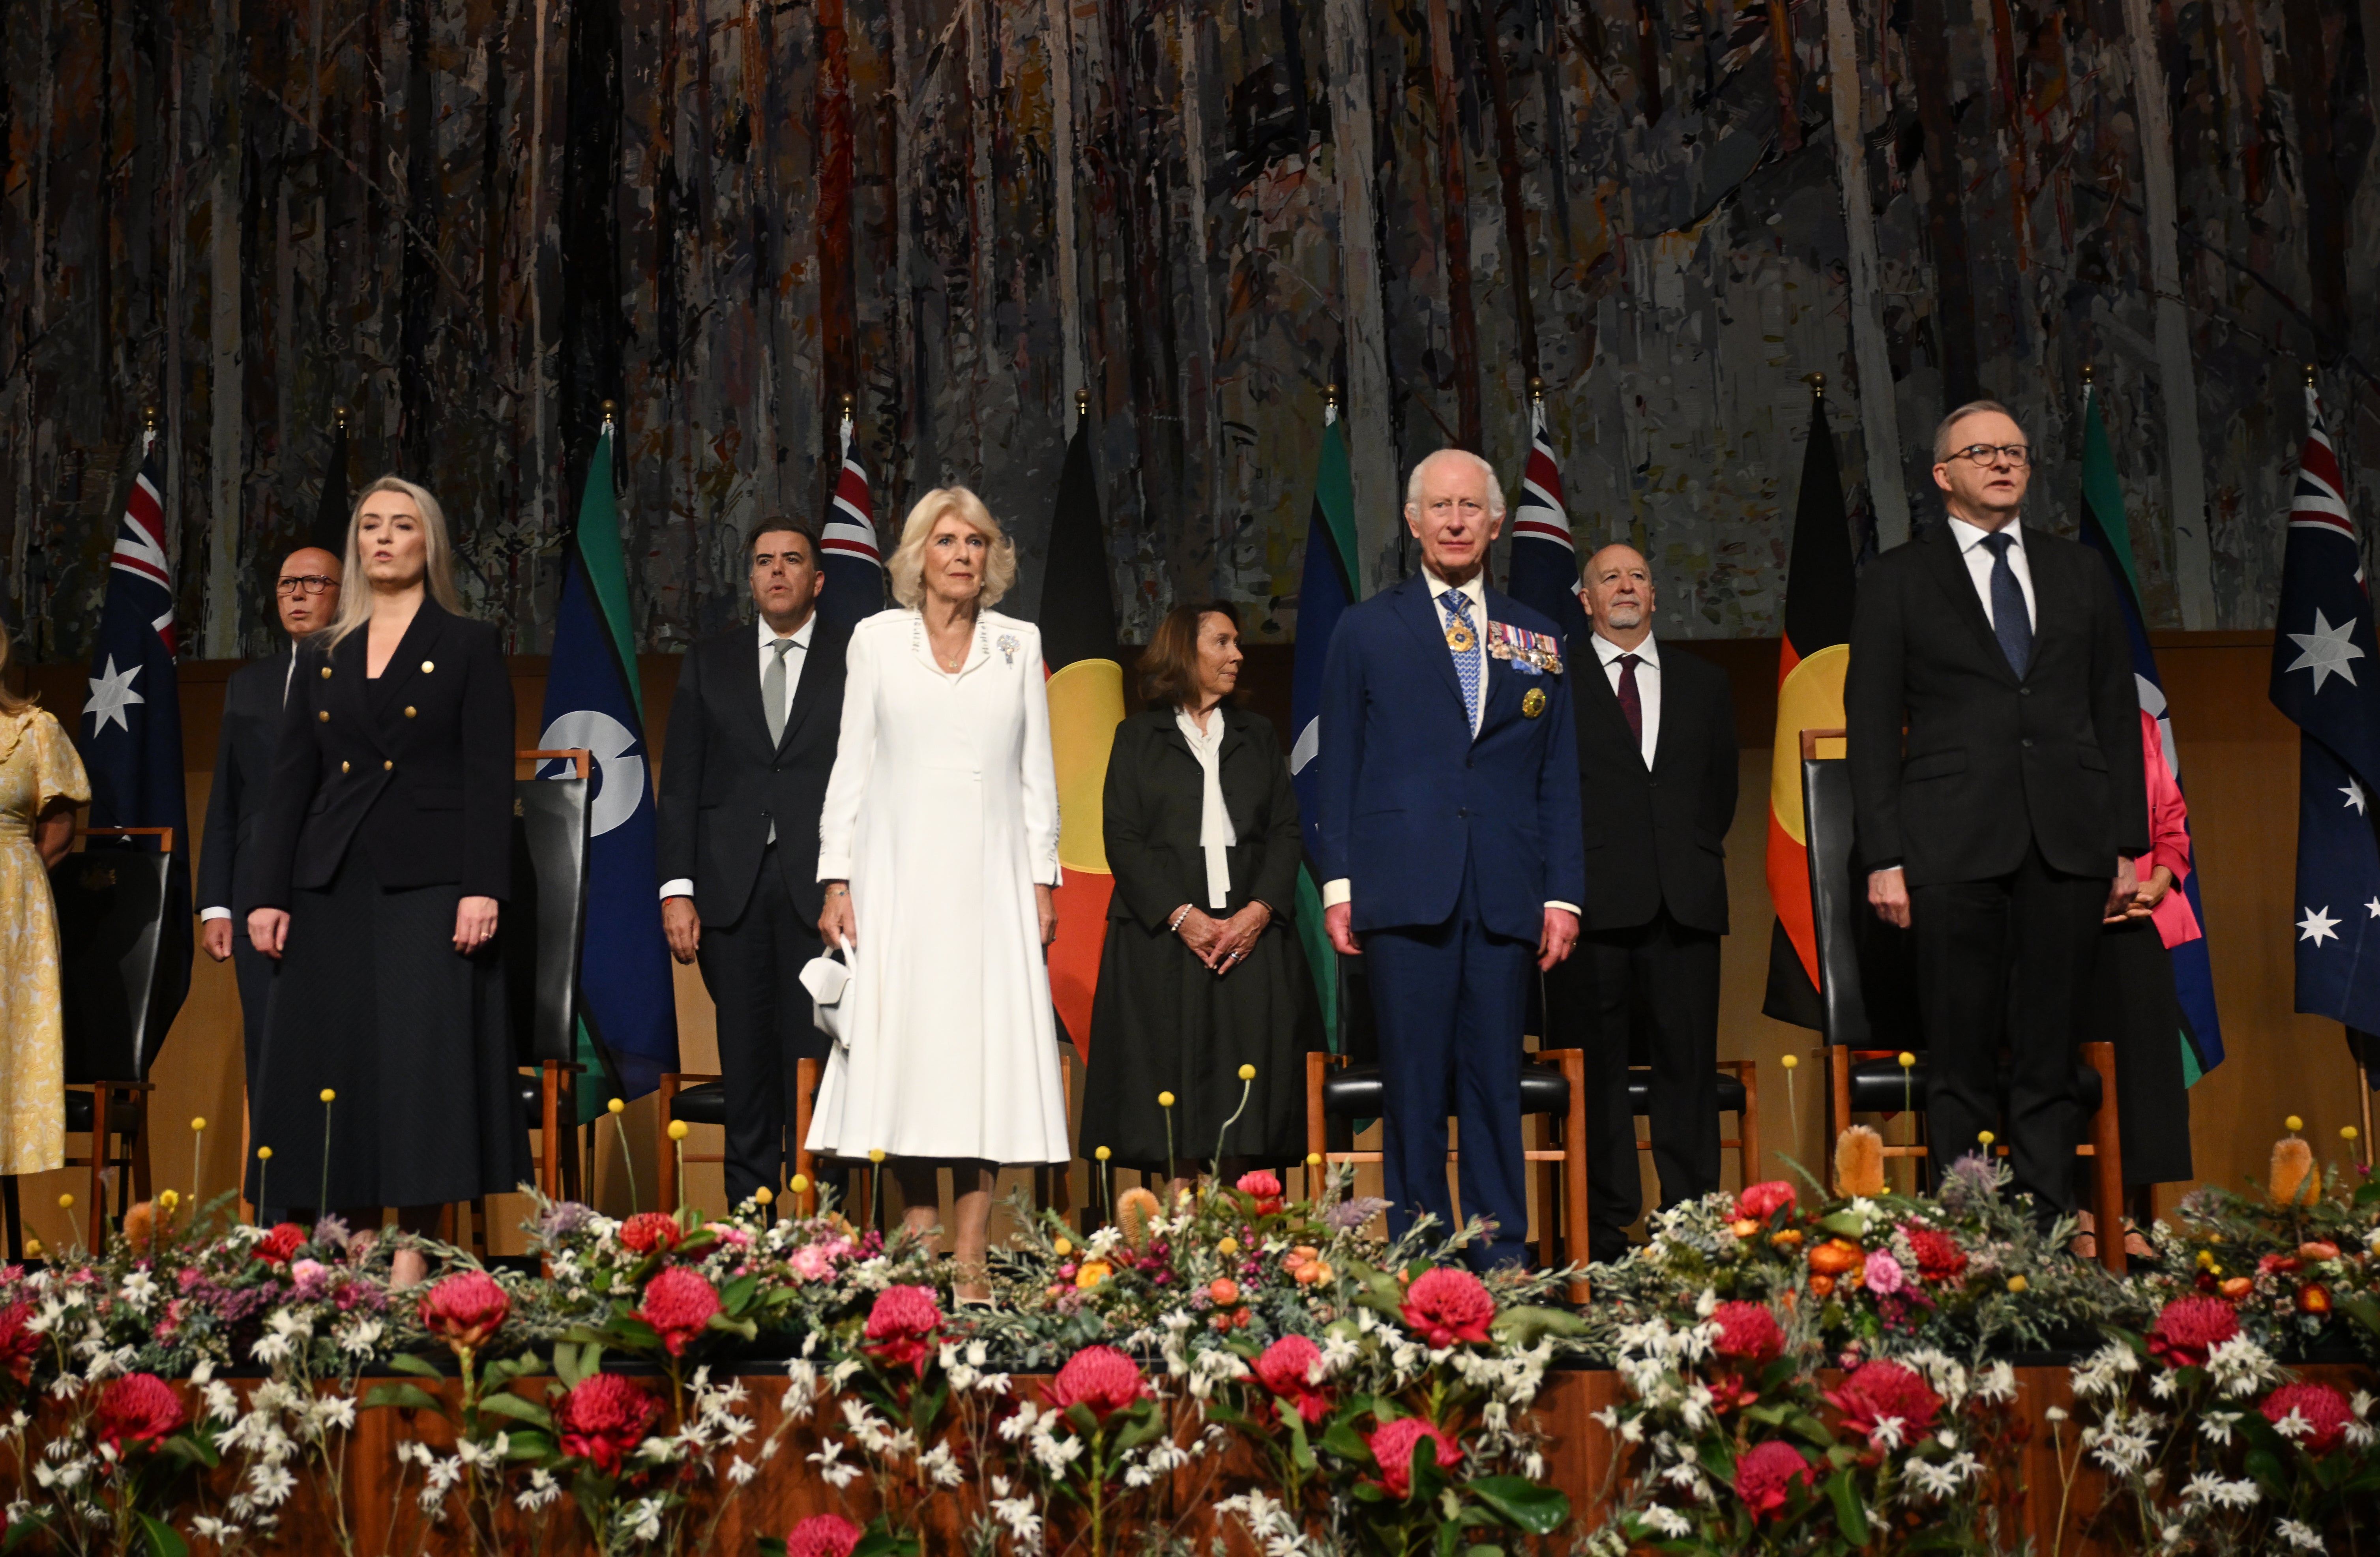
(383, 1514)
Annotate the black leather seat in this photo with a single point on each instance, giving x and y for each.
(1358, 1092)
(705, 1103)
(551, 832)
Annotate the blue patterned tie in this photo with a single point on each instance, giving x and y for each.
(1466, 660)
(2009, 623)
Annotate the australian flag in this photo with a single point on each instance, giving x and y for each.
(1544, 561)
(628, 1003)
(852, 567)
(130, 732)
(2327, 679)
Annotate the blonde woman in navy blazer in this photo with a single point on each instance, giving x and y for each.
(382, 862)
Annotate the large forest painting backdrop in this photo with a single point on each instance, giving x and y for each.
(474, 221)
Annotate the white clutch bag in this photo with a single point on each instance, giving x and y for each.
(828, 982)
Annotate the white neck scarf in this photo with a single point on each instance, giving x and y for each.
(1215, 832)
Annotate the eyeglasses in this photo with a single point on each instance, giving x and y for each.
(2016, 455)
(310, 583)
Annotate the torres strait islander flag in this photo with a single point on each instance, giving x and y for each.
(852, 567)
(1543, 565)
(2104, 530)
(1325, 590)
(2327, 678)
(130, 732)
(1078, 645)
(1819, 588)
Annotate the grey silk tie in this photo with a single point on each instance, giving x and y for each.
(773, 691)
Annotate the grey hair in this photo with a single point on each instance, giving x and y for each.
(1495, 487)
(1972, 407)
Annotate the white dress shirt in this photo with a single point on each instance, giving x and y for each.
(765, 638)
(1475, 592)
(1969, 539)
(1648, 685)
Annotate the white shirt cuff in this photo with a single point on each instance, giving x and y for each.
(206, 913)
(1335, 892)
(1570, 908)
(682, 887)
(833, 867)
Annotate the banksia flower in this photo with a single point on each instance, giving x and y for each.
(2292, 1181)
(1859, 1162)
(1136, 1209)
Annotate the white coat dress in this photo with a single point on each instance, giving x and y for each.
(943, 813)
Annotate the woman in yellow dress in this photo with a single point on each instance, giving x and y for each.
(41, 782)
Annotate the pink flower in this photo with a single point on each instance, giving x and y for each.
(1393, 1446)
(811, 1263)
(137, 1410)
(305, 1269)
(2190, 1329)
(1939, 1258)
(604, 1419)
(822, 1535)
(1765, 1475)
(679, 1304)
(1100, 1377)
(1286, 1368)
(1264, 1188)
(1884, 1392)
(649, 1231)
(1447, 1305)
(1760, 1201)
(1749, 1332)
(2322, 1410)
(902, 1328)
(1883, 1275)
(464, 1310)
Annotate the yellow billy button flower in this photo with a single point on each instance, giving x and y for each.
(1247, 1073)
(1227, 1247)
(1062, 1247)
(1313, 1159)
(764, 1195)
(329, 1095)
(677, 1130)
(1165, 1100)
(876, 1154)
(200, 1123)
(801, 1185)
(2016, 1284)
(65, 1202)
(265, 1152)
(2206, 1259)
(616, 1106)
(2294, 1124)
(1792, 1062)
(1103, 1154)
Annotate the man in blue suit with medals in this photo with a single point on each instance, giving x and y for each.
(1450, 845)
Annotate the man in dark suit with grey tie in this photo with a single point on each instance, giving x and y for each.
(1656, 779)
(2001, 827)
(305, 596)
(751, 743)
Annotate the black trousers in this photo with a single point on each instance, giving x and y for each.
(253, 971)
(2008, 962)
(1659, 981)
(752, 968)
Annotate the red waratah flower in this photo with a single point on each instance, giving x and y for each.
(903, 1326)
(464, 1308)
(18, 1344)
(2323, 1409)
(1765, 1475)
(1939, 1258)
(276, 1246)
(1392, 1445)
(604, 1419)
(1285, 1368)
(1749, 1332)
(647, 1231)
(1759, 1201)
(679, 1304)
(137, 1410)
(822, 1535)
(1448, 1305)
(1265, 1187)
(1100, 1377)
(1881, 1391)
(2190, 1329)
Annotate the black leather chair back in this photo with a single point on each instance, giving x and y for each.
(111, 922)
(550, 818)
(1866, 971)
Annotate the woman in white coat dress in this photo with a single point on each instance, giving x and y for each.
(939, 845)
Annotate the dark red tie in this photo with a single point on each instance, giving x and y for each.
(1631, 702)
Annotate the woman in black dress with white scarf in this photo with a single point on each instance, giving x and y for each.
(1202, 971)
(382, 860)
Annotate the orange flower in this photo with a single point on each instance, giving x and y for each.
(1822, 1285)
(1836, 1258)
(1091, 1272)
(1223, 1291)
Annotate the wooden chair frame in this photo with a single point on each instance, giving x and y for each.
(1571, 1155)
(1746, 1144)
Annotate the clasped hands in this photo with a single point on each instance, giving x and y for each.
(1221, 945)
(2129, 897)
(475, 926)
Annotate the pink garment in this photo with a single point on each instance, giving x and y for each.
(2169, 839)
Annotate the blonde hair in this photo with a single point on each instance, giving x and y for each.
(438, 570)
(907, 567)
(11, 705)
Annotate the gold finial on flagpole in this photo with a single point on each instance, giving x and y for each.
(611, 409)
(2086, 375)
(1536, 390)
(2308, 367)
(1330, 397)
(339, 418)
(1817, 382)
(850, 404)
(148, 420)
(1082, 403)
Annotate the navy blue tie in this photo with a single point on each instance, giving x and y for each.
(2010, 625)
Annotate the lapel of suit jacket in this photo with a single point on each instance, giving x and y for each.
(1592, 698)
(816, 662)
(1950, 569)
(1421, 613)
(351, 695)
(740, 674)
(2054, 605)
(423, 642)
